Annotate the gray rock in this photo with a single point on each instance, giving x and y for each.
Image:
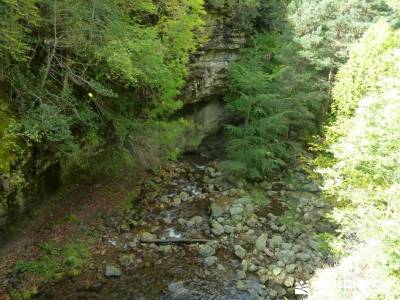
(237, 218)
(289, 282)
(272, 293)
(126, 260)
(313, 244)
(286, 246)
(240, 251)
(275, 241)
(308, 269)
(261, 242)
(290, 268)
(216, 210)
(280, 264)
(239, 227)
(242, 285)
(217, 228)
(239, 184)
(249, 208)
(133, 244)
(307, 218)
(311, 187)
(229, 229)
(221, 220)
(303, 256)
(177, 202)
(236, 210)
(242, 201)
(281, 291)
(177, 290)
(113, 271)
(245, 264)
(276, 271)
(146, 236)
(287, 256)
(266, 185)
(181, 221)
(207, 250)
(166, 249)
(249, 237)
(125, 227)
(183, 196)
(241, 274)
(263, 220)
(252, 221)
(210, 261)
(197, 220)
(220, 267)
(190, 223)
(253, 268)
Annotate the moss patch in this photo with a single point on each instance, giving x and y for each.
(53, 263)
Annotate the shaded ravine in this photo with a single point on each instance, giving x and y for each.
(152, 272)
(250, 254)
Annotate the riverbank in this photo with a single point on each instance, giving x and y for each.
(262, 239)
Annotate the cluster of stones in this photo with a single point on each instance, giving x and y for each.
(276, 250)
(278, 255)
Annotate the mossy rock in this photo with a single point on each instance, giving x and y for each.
(23, 295)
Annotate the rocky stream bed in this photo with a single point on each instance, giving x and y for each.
(191, 234)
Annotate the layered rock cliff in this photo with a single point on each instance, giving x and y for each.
(209, 67)
(207, 83)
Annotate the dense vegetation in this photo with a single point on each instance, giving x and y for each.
(77, 76)
(73, 67)
(360, 163)
(331, 71)
(281, 87)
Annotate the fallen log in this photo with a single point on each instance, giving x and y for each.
(176, 241)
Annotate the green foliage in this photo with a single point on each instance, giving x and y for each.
(16, 21)
(370, 59)
(157, 140)
(253, 15)
(326, 28)
(324, 243)
(281, 87)
(362, 175)
(77, 76)
(278, 99)
(55, 261)
(291, 219)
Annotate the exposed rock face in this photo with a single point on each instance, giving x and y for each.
(207, 83)
(209, 67)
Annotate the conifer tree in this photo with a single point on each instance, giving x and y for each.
(281, 88)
